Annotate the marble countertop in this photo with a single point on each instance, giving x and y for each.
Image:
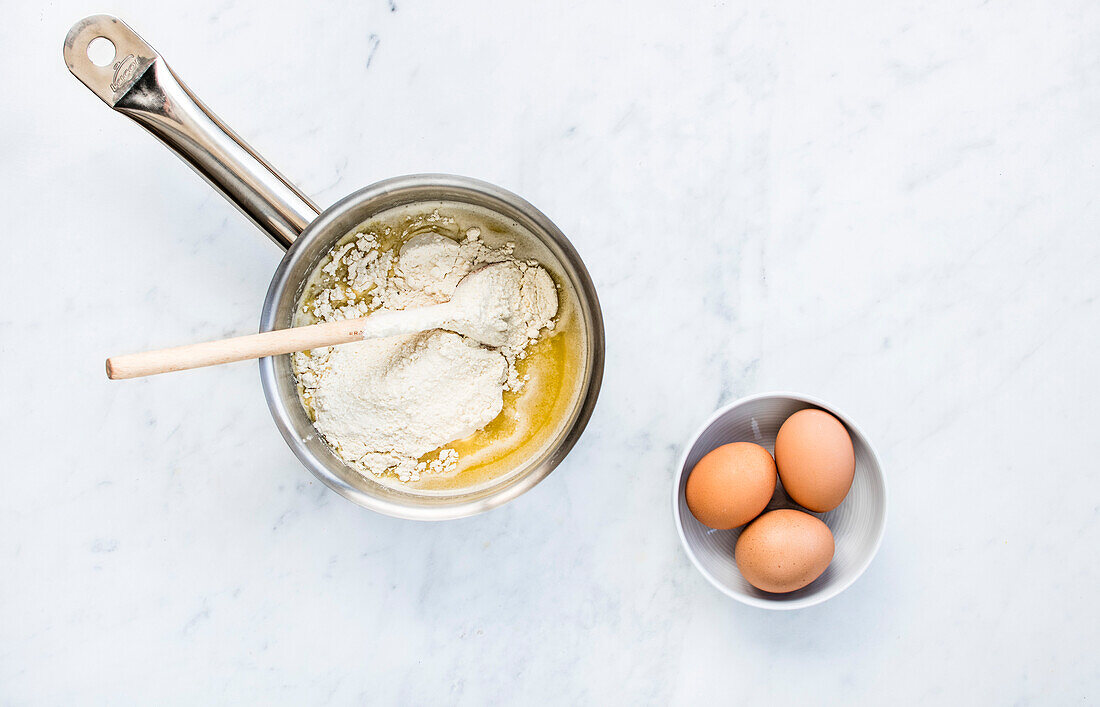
(890, 206)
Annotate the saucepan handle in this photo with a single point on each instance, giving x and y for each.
(139, 84)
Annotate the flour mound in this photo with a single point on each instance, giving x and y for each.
(384, 404)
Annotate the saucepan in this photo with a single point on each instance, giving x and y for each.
(140, 85)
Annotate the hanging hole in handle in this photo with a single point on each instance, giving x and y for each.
(101, 51)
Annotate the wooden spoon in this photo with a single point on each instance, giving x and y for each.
(484, 307)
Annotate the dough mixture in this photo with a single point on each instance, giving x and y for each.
(385, 404)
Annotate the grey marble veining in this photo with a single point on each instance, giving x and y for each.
(890, 206)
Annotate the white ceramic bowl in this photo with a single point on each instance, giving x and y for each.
(857, 523)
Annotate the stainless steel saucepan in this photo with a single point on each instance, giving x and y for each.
(139, 84)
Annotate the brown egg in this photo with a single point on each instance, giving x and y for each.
(784, 550)
(731, 485)
(815, 458)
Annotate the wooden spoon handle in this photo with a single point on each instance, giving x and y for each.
(241, 348)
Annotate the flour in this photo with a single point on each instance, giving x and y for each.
(384, 404)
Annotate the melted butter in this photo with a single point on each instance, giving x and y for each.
(528, 422)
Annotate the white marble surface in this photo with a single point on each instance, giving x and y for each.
(892, 206)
